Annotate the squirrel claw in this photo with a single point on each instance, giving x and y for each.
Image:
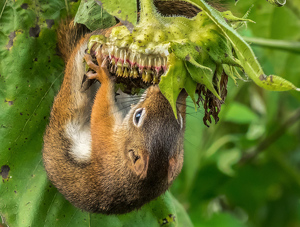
(90, 75)
(100, 71)
(102, 61)
(90, 63)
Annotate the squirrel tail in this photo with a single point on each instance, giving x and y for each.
(68, 35)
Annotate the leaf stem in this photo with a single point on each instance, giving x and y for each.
(292, 46)
(67, 7)
(3, 9)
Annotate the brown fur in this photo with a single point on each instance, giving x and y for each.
(110, 182)
(129, 166)
(69, 35)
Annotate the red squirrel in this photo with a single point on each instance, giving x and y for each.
(103, 162)
(100, 161)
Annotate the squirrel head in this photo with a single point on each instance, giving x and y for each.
(153, 138)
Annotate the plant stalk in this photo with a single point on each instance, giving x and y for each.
(148, 10)
(291, 46)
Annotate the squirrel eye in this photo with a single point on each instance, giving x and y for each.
(138, 117)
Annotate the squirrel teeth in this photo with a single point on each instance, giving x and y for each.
(125, 63)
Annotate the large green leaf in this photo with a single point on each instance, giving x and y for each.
(31, 72)
(173, 81)
(239, 113)
(40, 204)
(124, 10)
(30, 75)
(93, 16)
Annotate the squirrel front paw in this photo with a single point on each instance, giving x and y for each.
(102, 74)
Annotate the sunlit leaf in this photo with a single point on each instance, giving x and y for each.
(124, 10)
(173, 81)
(239, 113)
(190, 87)
(203, 76)
(93, 16)
(227, 159)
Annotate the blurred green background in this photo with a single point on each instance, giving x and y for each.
(244, 171)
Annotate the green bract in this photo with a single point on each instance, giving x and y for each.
(277, 3)
(197, 54)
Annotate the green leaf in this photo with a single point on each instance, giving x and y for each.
(93, 16)
(229, 71)
(237, 25)
(239, 113)
(124, 10)
(217, 77)
(205, 69)
(223, 219)
(173, 81)
(228, 158)
(203, 76)
(237, 74)
(155, 213)
(185, 50)
(31, 72)
(231, 18)
(245, 54)
(190, 87)
(30, 75)
(220, 50)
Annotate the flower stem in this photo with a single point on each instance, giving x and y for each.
(292, 46)
(148, 10)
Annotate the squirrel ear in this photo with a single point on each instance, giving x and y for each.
(139, 161)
